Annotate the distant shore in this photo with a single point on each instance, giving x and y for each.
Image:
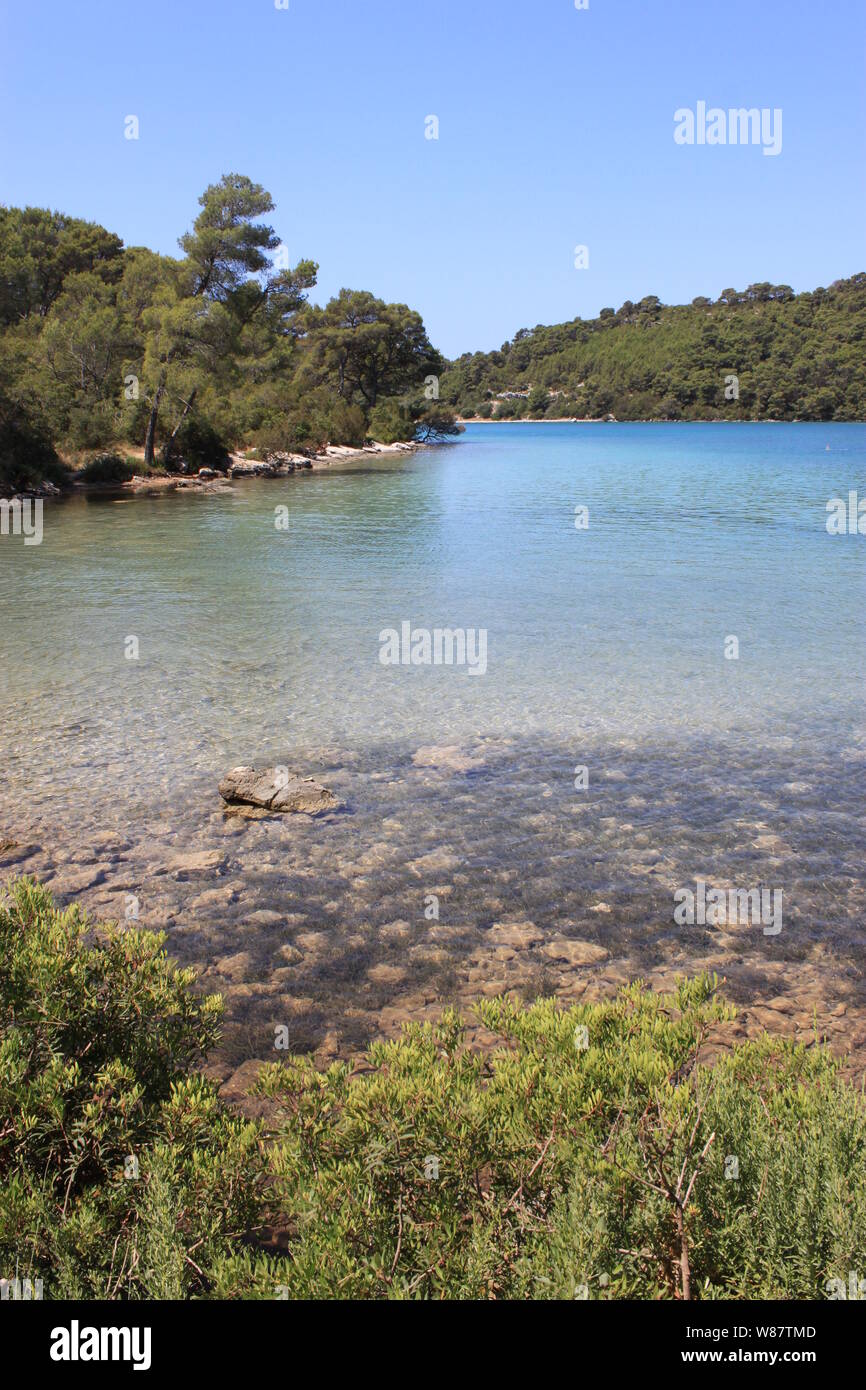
(612, 420)
(546, 420)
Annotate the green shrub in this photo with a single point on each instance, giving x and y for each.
(569, 1171)
(591, 1153)
(197, 444)
(347, 424)
(291, 435)
(120, 1174)
(91, 425)
(107, 468)
(391, 423)
(27, 456)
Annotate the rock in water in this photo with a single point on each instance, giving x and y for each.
(276, 789)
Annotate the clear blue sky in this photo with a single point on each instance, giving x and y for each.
(556, 128)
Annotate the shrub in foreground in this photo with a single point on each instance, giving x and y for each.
(121, 1174)
(590, 1154)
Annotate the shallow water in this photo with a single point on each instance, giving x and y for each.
(605, 649)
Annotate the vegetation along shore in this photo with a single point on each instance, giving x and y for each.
(118, 363)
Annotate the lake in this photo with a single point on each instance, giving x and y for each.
(672, 692)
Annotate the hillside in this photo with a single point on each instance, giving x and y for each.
(794, 357)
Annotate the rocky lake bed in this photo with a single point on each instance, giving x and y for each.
(453, 872)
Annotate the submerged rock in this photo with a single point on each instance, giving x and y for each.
(574, 952)
(517, 935)
(448, 756)
(197, 861)
(276, 789)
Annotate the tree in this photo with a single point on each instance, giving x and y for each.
(85, 336)
(186, 337)
(366, 348)
(39, 249)
(435, 425)
(210, 295)
(226, 245)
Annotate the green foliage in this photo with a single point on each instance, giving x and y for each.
(367, 349)
(40, 249)
(196, 444)
(120, 1174)
(391, 422)
(591, 1153)
(434, 424)
(106, 469)
(565, 1170)
(227, 244)
(27, 456)
(109, 344)
(795, 357)
(347, 422)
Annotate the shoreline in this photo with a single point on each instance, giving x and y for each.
(646, 420)
(240, 467)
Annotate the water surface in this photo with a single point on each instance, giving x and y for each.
(605, 649)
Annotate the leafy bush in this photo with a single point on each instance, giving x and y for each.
(27, 457)
(391, 423)
(347, 424)
(568, 1171)
(122, 1176)
(92, 425)
(291, 435)
(107, 468)
(590, 1154)
(197, 444)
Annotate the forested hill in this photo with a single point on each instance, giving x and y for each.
(763, 353)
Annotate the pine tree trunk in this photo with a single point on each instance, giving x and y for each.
(151, 424)
(183, 414)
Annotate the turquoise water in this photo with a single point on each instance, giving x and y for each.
(605, 648)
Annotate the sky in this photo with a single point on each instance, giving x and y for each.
(555, 130)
